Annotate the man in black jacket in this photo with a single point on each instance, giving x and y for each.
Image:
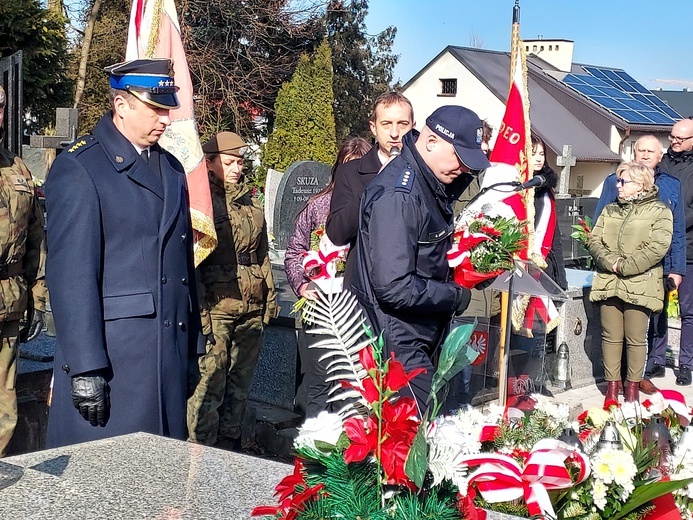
(401, 274)
(678, 161)
(392, 117)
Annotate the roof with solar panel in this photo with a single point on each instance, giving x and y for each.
(617, 92)
(569, 102)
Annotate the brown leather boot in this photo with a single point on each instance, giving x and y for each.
(611, 391)
(648, 387)
(632, 391)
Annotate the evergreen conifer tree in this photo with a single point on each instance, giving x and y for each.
(362, 65)
(304, 128)
(40, 34)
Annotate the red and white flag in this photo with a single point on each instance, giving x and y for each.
(154, 32)
(510, 162)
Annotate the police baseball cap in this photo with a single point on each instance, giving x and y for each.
(463, 129)
(149, 80)
(226, 142)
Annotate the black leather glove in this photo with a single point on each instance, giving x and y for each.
(669, 284)
(90, 397)
(36, 320)
(484, 284)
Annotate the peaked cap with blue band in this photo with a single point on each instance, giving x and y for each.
(150, 80)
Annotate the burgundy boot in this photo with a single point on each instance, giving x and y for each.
(632, 392)
(611, 391)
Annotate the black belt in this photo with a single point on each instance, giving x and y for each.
(10, 270)
(247, 258)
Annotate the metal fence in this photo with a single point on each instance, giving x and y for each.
(11, 79)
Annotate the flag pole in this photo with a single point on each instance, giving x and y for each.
(506, 311)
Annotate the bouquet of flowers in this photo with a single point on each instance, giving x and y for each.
(673, 309)
(381, 458)
(370, 460)
(323, 264)
(582, 230)
(581, 233)
(483, 247)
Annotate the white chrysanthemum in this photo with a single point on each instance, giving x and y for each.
(461, 437)
(626, 491)
(623, 469)
(599, 490)
(602, 471)
(326, 427)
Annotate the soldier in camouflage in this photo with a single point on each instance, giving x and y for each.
(22, 258)
(237, 299)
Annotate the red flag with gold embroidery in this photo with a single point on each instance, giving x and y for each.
(510, 163)
(154, 32)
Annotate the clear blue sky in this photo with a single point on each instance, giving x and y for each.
(649, 39)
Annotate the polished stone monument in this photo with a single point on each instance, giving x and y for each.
(137, 476)
(300, 182)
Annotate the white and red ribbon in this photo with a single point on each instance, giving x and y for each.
(321, 265)
(462, 246)
(499, 478)
(677, 402)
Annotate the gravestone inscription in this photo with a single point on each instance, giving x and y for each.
(300, 182)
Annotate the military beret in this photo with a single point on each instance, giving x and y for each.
(226, 142)
(150, 80)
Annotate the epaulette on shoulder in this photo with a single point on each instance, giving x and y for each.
(405, 181)
(81, 144)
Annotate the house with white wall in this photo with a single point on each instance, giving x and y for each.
(599, 111)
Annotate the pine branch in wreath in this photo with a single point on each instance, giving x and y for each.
(339, 317)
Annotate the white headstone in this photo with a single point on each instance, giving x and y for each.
(271, 187)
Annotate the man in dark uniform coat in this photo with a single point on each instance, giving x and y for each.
(402, 276)
(120, 269)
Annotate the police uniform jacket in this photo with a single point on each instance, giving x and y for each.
(402, 277)
(236, 278)
(120, 272)
(22, 244)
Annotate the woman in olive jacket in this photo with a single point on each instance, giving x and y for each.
(628, 243)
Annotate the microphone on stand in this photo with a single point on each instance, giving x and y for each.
(537, 181)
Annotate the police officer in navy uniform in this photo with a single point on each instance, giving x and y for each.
(120, 269)
(402, 278)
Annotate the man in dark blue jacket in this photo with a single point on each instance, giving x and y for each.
(648, 151)
(120, 270)
(402, 276)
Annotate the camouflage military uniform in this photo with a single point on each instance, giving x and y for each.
(237, 296)
(22, 258)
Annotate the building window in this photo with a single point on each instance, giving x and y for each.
(448, 87)
(527, 48)
(550, 47)
(534, 48)
(556, 46)
(541, 48)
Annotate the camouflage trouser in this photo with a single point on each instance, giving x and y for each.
(217, 406)
(9, 332)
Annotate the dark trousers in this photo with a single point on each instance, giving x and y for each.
(686, 305)
(313, 389)
(658, 336)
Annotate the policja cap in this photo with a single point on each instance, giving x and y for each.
(149, 80)
(226, 142)
(463, 129)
